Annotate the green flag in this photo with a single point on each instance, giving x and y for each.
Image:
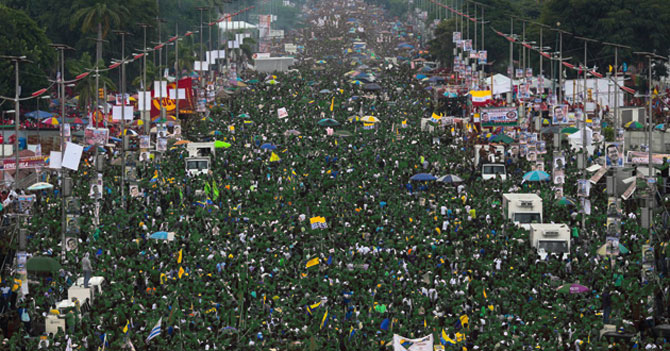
(208, 189)
(215, 190)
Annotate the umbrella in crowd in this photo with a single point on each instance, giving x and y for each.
(536, 176)
(337, 241)
(450, 178)
(572, 289)
(423, 177)
(328, 122)
(40, 186)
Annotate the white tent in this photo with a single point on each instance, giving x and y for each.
(501, 84)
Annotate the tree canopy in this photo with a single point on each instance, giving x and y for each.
(21, 36)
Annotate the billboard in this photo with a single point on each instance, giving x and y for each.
(499, 116)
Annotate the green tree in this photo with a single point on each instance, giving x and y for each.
(86, 87)
(98, 16)
(21, 36)
(442, 47)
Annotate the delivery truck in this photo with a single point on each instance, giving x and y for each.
(522, 209)
(550, 238)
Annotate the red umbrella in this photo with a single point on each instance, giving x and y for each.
(78, 121)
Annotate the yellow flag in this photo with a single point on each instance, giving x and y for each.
(312, 262)
(125, 328)
(610, 68)
(181, 272)
(332, 104)
(484, 291)
(274, 157)
(180, 256)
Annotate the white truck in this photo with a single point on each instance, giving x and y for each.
(522, 209)
(548, 238)
(493, 170)
(197, 165)
(201, 149)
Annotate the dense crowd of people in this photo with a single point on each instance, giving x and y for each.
(249, 270)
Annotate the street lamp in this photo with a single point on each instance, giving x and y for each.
(63, 174)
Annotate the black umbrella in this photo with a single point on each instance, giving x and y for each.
(372, 87)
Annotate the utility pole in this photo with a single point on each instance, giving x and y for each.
(176, 69)
(145, 114)
(63, 174)
(124, 134)
(511, 62)
(17, 112)
(202, 57)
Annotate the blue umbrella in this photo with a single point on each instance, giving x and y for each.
(159, 236)
(423, 177)
(420, 76)
(324, 91)
(115, 139)
(268, 146)
(39, 114)
(536, 176)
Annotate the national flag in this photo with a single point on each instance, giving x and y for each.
(313, 262)
(324, 320)
(481, 97)
(435, 118)
(155, 177)
(155, 331)
(312, 307)
(181, 272)
(368, 126)
(352, 331)
(274, 158)
(385, 324)
(180, 256)
(445, 339)
(125, 328)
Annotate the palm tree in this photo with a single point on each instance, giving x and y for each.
(99, 15)
(86, 87)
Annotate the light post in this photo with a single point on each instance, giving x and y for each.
(202, 58)
(145, 115)
(63, 174)
(123, 113)
(17, 111)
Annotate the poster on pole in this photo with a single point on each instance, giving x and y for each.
(119, 112)
(560, 114)
(456, 37)
(144, 101)
(499, 116)
(72, 156)
(614, 155)
(160, 88)
(96, 136)
(483, 57)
